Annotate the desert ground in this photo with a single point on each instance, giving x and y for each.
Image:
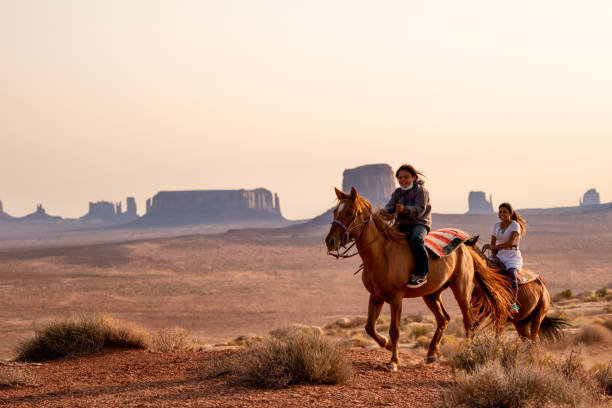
(251, 281)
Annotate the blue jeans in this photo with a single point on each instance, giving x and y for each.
(415, 235)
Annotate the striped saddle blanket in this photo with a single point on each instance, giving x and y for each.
(444, 241)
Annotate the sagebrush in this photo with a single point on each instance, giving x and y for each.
(79, 335)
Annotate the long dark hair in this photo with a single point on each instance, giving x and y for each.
(515, 216)
(410, 169)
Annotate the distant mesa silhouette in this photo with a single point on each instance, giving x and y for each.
(111, 212)
(591, 197)
(211, 206)
(40, 215)
(375, 182)
(478, 204)
(4, 216)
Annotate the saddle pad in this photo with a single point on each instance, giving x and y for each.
(444, 241)
(526, 276)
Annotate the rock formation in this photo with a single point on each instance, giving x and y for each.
(478, 204)
(375, 182)
(591, 197)
(3, 215)
(40, 215)
(111, 212)
(211, 206)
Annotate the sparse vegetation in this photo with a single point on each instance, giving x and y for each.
(496, 373)
(422, 341)
(603, 375)
(79, 335)
(594, 333)
(300, 357)
(608, 323)
(563, 295)
(13, 376)
(419, 330)
(165, 340)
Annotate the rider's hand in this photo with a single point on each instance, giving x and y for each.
(399, 207)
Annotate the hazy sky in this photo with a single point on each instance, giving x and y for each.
(100, 100)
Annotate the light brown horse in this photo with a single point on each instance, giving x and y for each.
(534, 302)
(388, 263)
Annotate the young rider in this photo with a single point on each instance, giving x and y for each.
(505, 239)
(411, 203)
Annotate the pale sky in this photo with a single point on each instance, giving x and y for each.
(100, 100)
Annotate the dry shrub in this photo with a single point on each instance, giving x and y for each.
(165, 340)
(607, 324)
(419, 330)
(73, 337)
(482, 349)
(293, 328)
(603, 375)
(300, 357)
(13, 376)
(563, 295)
(594, 333)
(455, 327)
(422, 341)
(496, 373)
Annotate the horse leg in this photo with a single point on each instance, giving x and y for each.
(522, 328)
(374, 307)
(434, 303)
(396, 315)
(462, 289)
(538, 315)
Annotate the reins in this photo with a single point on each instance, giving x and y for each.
(346, 236)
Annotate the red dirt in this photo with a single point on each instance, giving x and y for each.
(143, 379)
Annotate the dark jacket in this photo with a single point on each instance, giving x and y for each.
(416, 202)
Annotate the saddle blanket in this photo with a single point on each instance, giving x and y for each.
(444, 241)
(526, 276)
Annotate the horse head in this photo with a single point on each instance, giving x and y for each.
(348, 216)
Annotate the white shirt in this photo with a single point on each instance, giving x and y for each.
(503, 236)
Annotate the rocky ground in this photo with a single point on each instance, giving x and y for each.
(179, 379)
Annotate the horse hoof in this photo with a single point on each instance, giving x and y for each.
(391, 367)
(431, 359)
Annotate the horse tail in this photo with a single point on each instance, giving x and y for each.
(492, 300)
(552, 327)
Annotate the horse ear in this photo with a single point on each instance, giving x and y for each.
(353, 193)
(340, 194)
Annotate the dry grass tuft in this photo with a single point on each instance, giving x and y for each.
(419, 330)
(79, 335)
(603, 375)
(173, 339)
(594, 333)
(14, 376)
(607, 323)
(563, 295)
(300, 357)
(495, 373)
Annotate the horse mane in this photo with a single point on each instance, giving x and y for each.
(387, 228)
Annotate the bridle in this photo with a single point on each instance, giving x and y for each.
(346, 232)
(346, 235)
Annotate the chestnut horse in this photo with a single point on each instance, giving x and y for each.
(388, 263)
(534, 302)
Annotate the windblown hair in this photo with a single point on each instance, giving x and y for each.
(515, 216)
(410, 169)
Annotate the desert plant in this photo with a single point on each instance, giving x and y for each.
(603, 376)
(300, 357)
(493, 385)
(422, 341)
(165, 340)
(482, 349)
(495, 373)
(563, 295)
(13, 376)
(594, 333)
(73, 337)
(419, 330)
(607, 323)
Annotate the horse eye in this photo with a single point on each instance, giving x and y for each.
(350, 214)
